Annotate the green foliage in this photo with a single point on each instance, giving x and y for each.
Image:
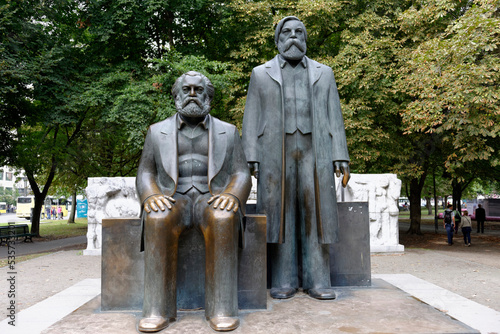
(41, 69)
(481, 187)
(219, 73)
(366, 69)
(453, 81)
(9, 196)
(16, 67)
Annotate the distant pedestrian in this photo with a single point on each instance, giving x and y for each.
(54, 213)
(47, 210)
(480, 218)
(466, 226)
(59, 212)
(449, 223)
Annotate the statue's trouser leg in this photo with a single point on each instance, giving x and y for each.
(220, 230)
(284, 261)
(315, 256)
(161, 238)
(300, 222)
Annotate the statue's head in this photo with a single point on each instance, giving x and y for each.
(290, 37)
(193, 92)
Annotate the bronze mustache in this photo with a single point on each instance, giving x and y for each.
(290, 43)
(189, 100)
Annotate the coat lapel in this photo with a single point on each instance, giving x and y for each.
(217, 145)
(314, 71)
(274, 71)
(168, 148)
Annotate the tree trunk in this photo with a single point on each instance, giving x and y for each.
(39, 197)
(436, 224)
(71, 218)
(428, 205)
(35, 214)
(457, 195)
(416, 185)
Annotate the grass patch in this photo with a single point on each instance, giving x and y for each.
(424, 213)
(4, 262)
(59, 229)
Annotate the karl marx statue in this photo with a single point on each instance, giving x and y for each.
(192, 174)
(294, 141)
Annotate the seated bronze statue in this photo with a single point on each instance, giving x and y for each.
(192, 174)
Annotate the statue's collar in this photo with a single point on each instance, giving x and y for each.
(283, 62)
(181, 122)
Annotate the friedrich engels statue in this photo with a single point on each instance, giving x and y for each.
(294, 141)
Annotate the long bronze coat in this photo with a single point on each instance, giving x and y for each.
(263, 140)
(158, 170)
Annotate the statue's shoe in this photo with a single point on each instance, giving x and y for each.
(224, 324)
(322, 293)
(152, 324)
(283, 293)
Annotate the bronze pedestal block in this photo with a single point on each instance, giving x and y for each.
(350, 263)
(123, 266)
(350, 257)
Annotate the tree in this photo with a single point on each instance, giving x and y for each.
(40, 75)
(436, 185)
(453, 79)
(79, 88)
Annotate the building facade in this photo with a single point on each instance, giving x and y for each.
(14, 179)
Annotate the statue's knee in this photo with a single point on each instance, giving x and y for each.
(158, 216)
(220, 216)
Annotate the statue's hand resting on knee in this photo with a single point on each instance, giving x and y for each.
(158, 202)
(224, 201)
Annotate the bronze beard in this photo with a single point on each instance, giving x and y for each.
(292, 49)
(192, 107)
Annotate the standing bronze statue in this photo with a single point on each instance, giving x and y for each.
(192, 174)
(294, 141)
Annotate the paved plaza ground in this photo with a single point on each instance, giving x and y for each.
(471, 272)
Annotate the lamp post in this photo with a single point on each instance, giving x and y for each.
(25, 179)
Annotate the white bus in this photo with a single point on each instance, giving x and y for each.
(24, 206)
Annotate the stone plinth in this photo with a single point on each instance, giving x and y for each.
(350, 263)
(108, 197)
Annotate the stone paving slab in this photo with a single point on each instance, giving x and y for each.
(381, 308)
(478, 316)
(51, 310)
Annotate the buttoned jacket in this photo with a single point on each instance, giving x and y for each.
(158, 170)
(264, 137)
